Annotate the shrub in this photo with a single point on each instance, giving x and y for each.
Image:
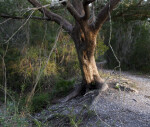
(39, 102)
(62, 87)
(12, 118)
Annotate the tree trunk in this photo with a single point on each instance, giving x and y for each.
(86, 49)
(91, 77)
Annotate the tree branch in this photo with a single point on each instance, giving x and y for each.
(140, 2)
(104, 13)
(73, 11)
(19, 17)
(86, 8)
(52, 16)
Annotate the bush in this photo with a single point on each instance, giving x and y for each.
(12, 118)
(39, 102)
(131, 44)
(140, 57)
(101, 48)
(62, 87)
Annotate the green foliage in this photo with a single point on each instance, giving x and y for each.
(39, 102)
(140, 58)
(12, 61)
(131, 43)
(62, 87)
(34, 61)
(12, 7)
(12, 118)
(27, 61)
(42, 31)
(131, 10)
(39, 123)
(74, 122)
(101, 49)
(66, 58)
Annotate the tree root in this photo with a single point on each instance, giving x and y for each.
(73, 94)
(81, 90)
(104, 87)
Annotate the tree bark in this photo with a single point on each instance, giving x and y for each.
(91, 77)
(85, 44)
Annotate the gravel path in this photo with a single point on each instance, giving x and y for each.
(125, 109)
(112, 108)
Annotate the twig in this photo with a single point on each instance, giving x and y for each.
(19, 28)
(22, 17)
(5, 21)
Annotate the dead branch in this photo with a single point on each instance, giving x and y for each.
(52, 16)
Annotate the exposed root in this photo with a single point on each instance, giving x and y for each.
(101, 85)
(82, 90)
(104, 87)
(75, 93)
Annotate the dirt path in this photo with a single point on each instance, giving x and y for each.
(113, 108)
(125, 109)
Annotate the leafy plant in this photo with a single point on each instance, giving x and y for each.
(11, 117)
(62, 87)
(39, 102)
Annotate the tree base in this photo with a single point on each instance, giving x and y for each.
(81, 89)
